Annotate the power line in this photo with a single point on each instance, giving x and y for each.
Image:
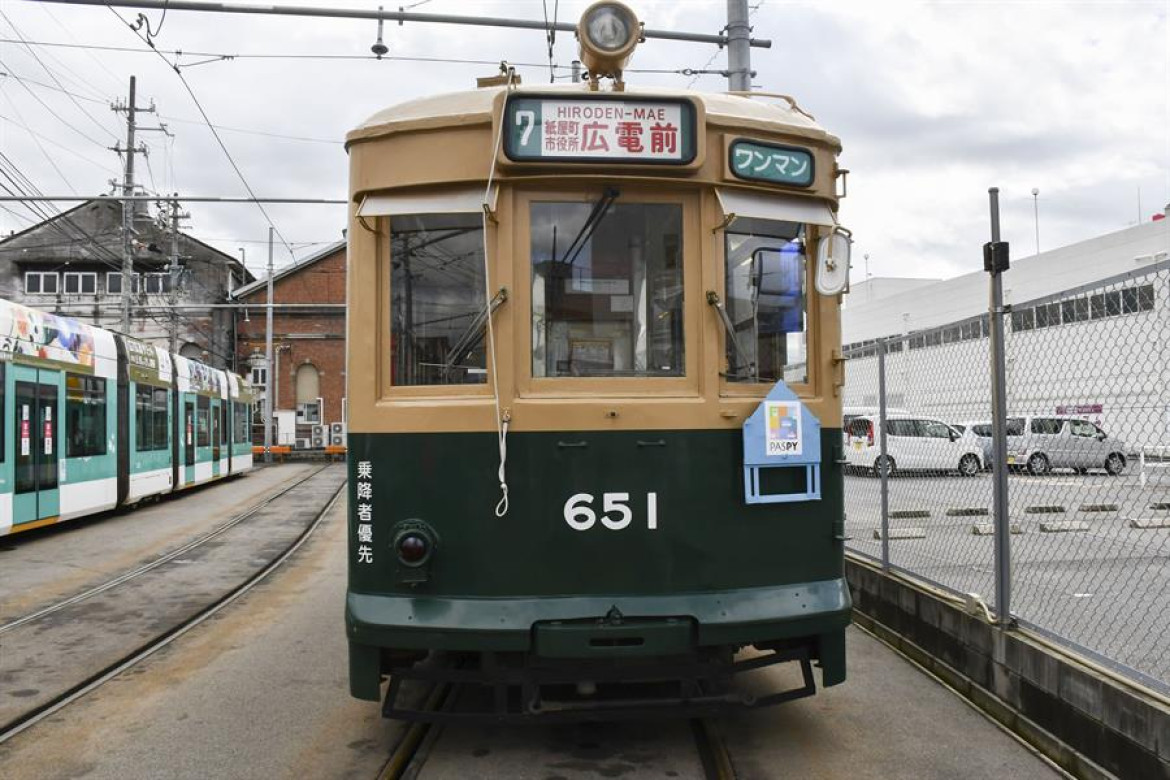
(214, 132)
(58, 144)
(53, 76)
(46, 106)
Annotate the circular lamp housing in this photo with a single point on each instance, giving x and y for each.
(608, 32)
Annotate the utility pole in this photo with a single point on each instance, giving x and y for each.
(739, 57)
(131, 108)
(269, 401)
(174, 274)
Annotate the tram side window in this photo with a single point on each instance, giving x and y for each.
(241, 422)
(150, 418)
(437, 307)
(85, 415)
(607, 289)
(203, 422)
(766, 302)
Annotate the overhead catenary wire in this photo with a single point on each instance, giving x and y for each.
(223, 147)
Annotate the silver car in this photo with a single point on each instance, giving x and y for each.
(1041, 444)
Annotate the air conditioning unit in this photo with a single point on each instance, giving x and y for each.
(319, 431)
(302, 444)
(337, 429)
(318, 442)
(337, 439)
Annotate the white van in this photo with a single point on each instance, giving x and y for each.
(912, 443)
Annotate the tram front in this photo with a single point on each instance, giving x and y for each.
(594, 391)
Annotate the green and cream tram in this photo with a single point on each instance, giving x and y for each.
(594, 389)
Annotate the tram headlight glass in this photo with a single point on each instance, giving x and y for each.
(608, 26)
(608, 32)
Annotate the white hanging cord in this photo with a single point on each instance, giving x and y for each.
(502, 419)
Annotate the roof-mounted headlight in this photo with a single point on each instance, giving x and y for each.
(608, 32)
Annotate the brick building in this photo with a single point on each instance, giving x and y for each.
(308, 343)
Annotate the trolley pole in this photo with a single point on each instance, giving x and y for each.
(269, 401)
(995, 262)
(739, 56)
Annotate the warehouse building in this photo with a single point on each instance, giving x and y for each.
(1088, 335)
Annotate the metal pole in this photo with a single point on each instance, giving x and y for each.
(167, 198)
(576, 71)
(173, 276)
(269, 401)
(392, 16)
(884, 471)
(1036, 215)
(128, 211)
(739, 56)
(1003, 558)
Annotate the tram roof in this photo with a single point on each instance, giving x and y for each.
(473, 107)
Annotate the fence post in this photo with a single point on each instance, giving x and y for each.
(995, 262)
(884, 471)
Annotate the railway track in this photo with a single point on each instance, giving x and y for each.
(130, 657)
(157, 562)
(408, 760)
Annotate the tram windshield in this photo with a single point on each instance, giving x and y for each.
(766, 302)
(607, 289)
(437, 300)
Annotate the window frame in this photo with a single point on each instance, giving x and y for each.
(520, 295)
(80, 276)
(41, 276)
(91, 388)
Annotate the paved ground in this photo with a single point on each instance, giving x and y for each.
(42, 566)
(1105, 586)
(261, 691)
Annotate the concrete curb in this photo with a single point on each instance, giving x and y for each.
(1149, 522)
(988, 529)
(1063, 526)
(902, 533)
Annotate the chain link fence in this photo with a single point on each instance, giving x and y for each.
(1088, 460)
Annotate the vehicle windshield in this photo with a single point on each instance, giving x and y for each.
(607, 289)
(766, 301)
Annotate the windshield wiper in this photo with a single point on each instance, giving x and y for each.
(474, 332)
(740, 354)
(600, 209)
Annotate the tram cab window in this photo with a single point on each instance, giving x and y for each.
(437, 328)
(766, 301)
(607, 289)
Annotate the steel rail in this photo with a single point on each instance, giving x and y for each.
(165, 639)
(712, 749)
(392, 16)
(152, 565)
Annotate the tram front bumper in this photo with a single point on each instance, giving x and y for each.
(577, 626)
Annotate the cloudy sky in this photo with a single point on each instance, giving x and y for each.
(935, 102)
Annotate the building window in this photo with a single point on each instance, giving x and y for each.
(114, 282)
(40, 283)
(155, 284)
(151, 431)
(308, 383)
(85, 416)
(80, 283)
(1023, 319)
(260, 377)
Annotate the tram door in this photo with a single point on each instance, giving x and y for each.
(188, 442)
(36, 431)
(213, 421)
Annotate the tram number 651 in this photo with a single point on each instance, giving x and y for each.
(616, 511)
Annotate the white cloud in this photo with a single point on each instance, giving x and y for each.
(934, 102)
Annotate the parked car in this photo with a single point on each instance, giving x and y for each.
(979, 433)
(912, 443)
(1040, 444)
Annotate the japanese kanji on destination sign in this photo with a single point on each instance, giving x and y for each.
(771, 163)
(610, 130)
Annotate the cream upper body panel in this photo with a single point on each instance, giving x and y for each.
(446, 142)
